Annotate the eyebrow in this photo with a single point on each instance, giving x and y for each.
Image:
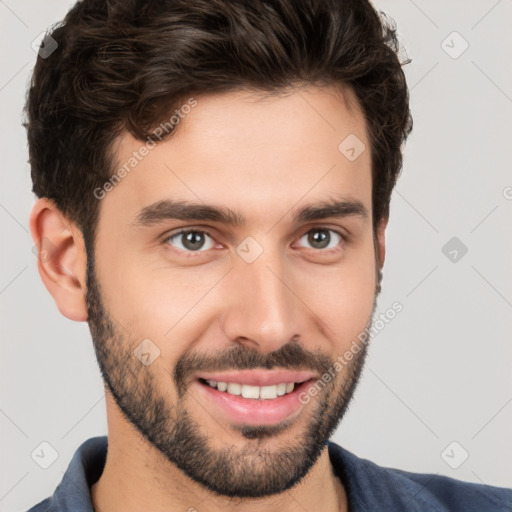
(167, 209)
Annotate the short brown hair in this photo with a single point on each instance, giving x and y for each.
(124, 65)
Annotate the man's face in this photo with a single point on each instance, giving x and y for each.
(276, 298)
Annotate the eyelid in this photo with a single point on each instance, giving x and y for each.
(339, 231)
(186, 230)
(344, 238)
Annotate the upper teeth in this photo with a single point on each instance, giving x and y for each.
(257, 392)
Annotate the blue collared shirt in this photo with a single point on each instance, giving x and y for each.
(369, 487)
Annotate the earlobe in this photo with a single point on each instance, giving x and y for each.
(61, 258)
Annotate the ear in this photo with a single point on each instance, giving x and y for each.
(381, 242)
(61, 258)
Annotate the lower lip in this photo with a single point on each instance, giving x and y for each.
(255, 412)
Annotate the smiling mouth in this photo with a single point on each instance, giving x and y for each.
(270, 392)
(254, 397)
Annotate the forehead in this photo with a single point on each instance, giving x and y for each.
(253, 153)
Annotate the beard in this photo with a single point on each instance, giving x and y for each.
(248, 471)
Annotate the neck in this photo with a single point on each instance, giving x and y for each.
(136, 477)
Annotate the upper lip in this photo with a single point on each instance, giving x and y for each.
(258, 377)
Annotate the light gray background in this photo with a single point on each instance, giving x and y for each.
(439, 372)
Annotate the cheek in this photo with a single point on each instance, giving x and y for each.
(155, 302)
(343, 297)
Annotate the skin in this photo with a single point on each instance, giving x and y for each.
(299, 306)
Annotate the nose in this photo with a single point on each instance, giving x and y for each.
(262, 311)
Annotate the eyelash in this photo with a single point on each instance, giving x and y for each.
(193, 254)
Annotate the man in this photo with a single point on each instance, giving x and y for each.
(214, 181)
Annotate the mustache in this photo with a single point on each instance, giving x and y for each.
(291, 356)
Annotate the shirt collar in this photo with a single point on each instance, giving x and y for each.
(85, 468)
